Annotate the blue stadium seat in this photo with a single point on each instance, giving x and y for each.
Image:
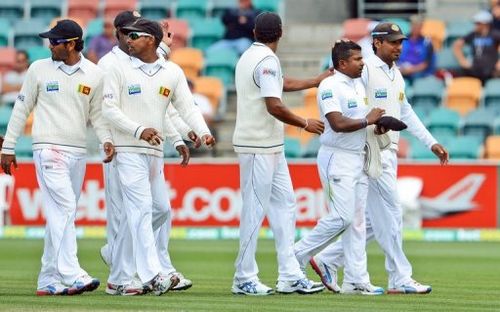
(26, 33)
(292, 147)
(419, 151)
(24, 148)
(5, 112)
(457, 29)
(191, 9)
(155, 9)
(5, 30)
(496, 126)
(94, 29)
(45, 9)
(267, 5)
(478, 123)
(444, 120)
(464, 147)
(491, 94)
(37, 53)
(427, 93)
(12, 10)
(221, 64)
(219, 6)
(445, 59)
(169, 151)
(205, 32)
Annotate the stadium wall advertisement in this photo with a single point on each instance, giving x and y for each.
(207, 195)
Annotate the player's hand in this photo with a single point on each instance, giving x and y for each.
(196, 139)
(441, 153)
(151, 136)
(208, 140)
(374, 115)
(7, 161)
(168, 37)
(314, 126)
(183, 151)
(327, 73)
(109, 151)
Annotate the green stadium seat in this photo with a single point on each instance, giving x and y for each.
(427, 93)
(312, 148)
(445, 59)
(464, 147)
(496, 125)
(479, 123)
(267, 5)
(24, 147)
(457, 29)
(422, 114)
(219, 6)
(12, 10)
(404, 24)
(5, 30)
(206, 32)
(191, 9)
(94, 29)
(5, 112)
(45, 9)
(26, 33)
(491, 93)
(444, 120)
(37, 53)
(221, 64)
(155, 9)
(419, 151)
(169, 151)
(292, 147)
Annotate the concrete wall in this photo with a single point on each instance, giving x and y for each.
(318, 11)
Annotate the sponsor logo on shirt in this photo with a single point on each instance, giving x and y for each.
(327, 94)
(52, 86)
(84, 89)
(269, 71)
(20, 97)
(108, 96)
(164, 91)
(352, 103)
(134, 89)
(380, 93)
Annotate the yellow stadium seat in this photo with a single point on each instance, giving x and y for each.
(463, 94)
(492, 147)
(436, 30)
(212, 88)
(299, 133)
(190, 60)
(310, 97)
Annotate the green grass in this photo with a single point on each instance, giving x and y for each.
(464, 276)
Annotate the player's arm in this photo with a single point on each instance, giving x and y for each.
(458, 52)
(292, 84)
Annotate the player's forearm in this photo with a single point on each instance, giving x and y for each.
(283, 114)
(292, 84)
(341, 123)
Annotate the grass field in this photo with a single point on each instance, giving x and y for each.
(464, 276)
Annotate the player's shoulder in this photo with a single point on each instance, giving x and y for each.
(91, 68)
(38, 64)
(173, 68)
(329, 83)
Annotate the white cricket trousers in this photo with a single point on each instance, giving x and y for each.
(60, 177)
(346, 188)
(266, 190)
(144, 195)
(383, 222)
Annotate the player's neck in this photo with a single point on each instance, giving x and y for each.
(148, 57)
(72, 59)
(272, 45)
(388, 61)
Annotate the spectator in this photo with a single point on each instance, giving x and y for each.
(417, 57)
(239, 23)
(13, 79)
(103, 43)
(495, 11)
(484, 42)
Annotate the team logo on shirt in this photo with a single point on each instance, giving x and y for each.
(352, 103)
(327, 94)
(84, 89)
(365, 99)
(134, 89)
(269, 71)
(380, 93)
(401, 96)
(52, 86)
(164, 91)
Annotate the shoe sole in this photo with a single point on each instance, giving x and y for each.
(362, 293)
(89, 287)
(41, 293)
(399, 292)
(301, 291)
(179, 288)
(316, 269)
(242, 293)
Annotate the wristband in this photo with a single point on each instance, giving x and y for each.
(364, 123)
(307, 124)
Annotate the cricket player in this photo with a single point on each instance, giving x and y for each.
(114, 202)
(266, 188)
(341, 157)
(385, 88)
(136, 95)
(65, 92)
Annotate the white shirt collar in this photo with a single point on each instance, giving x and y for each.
(119, 53)
(82, 64)
(342, 77)
(377, 61)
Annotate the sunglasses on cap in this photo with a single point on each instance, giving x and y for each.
(136, 35)
(55, 42)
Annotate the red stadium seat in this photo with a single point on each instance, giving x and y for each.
(181, 31)
(7, 59)
(85, 10)
(113, 7)
(355, 28)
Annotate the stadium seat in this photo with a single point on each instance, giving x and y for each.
(94, 29)
(79, 21)
(5, 112)
(445, 59)
(478, 123)
(169, 151)
(267, 5)
(191, 9)
(7, 59)
(496, 125)
(436, 30)
(155, 9)
(213, 89)
(492, 147)
(310, 97)
(463, 94)
(402, 23)
(299, 133)
(5, 31)
(312, 148)
(45, 9)
(181, 31)
(85, 10)
(221, 64)
(12, 10)
(190, 60)
(422, 113)
(491, 95)
(205, 32)
(427, 93)
(219, 6)
(355, 28)
(26, 33)
(113, 7)
(457, 29)
(292, 147)
(24, 147)
(444, 120)
(38, 52)
(419, 151)
(464, 147)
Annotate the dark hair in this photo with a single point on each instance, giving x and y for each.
(79, 45)
(268, 37)
(342, 50)
(23, 52)
(268, 27)
(374, 48)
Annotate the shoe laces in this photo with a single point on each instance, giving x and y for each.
(304, 282)
(250, 287)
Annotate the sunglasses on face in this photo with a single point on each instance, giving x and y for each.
(55, 42)
(137, 35)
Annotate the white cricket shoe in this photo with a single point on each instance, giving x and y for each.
(183, 284)
(161, 284)
(56, 289)
(412, 287)
(327, 273)
(105, 256)
(251, 288)
(82, 284)
(302, 286)
(361, 289)
(131, 289)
